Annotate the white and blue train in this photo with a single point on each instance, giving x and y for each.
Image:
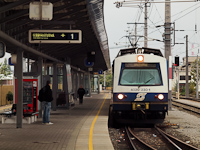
(140, 85)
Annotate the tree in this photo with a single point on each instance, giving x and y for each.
(193, 82)
(9, 96)
(5, 68)
(193, 72)
(108, 78)
(4, 71)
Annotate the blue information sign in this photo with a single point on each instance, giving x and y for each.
(100, 71)
(9, 62)
(88, 64)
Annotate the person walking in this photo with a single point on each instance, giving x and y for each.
(81, 92)
(47, 92)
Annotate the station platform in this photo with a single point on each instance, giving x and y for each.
(82, 127)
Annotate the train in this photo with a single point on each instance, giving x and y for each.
(140, 86)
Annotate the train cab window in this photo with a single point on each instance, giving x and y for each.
(140, 76)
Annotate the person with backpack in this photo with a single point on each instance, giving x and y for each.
(45, 96)
(81, 92)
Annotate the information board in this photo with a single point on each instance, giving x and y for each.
(55, 36)
(47, 11)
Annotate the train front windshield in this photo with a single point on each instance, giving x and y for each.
(143, 74)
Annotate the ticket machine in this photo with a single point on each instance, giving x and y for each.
(30, 93)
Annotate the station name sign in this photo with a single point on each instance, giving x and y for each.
(55, 36)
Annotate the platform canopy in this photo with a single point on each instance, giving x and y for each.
(84, 15)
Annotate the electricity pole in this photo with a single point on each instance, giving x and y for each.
(186, 77)
(178, 91)
(197, 86)
(145, 25)
(168, 46)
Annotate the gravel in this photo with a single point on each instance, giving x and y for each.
(183, 125)
(188, 126)
(118, 139)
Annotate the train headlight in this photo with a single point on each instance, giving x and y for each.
(140, 58)
(160, 96)
(121, 96)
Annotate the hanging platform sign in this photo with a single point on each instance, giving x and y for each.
(55, 36)
(47, 11)
(100, 71)
(87, 63)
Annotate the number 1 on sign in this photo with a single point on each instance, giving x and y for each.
(72, 36)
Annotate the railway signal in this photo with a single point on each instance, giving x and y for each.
(176, 60)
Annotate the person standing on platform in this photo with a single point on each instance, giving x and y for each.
(81, 92)
(46, 102)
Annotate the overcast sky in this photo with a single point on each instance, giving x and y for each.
(185, 15)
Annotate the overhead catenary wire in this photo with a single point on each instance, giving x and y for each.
(184, 46)
(196, 5)
(186, 14)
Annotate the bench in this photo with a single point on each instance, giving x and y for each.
(11, 112)
(10, 116)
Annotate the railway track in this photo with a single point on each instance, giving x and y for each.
(154, 139)
(186, 107)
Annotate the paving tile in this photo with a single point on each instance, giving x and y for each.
(71, 128)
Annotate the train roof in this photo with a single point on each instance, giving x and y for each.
(135, 50)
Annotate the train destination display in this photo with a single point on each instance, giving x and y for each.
(55, 36)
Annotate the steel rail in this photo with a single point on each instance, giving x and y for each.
(171, 139)
(129, 137)
(187, 107)
(128, 131)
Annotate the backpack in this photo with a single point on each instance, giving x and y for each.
(41, 95)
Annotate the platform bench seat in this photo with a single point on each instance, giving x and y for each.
(10, 116)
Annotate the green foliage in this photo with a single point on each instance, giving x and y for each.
(193, 71)
(182, 91)
(5, 68)
(108, 79)
(192, 88)
(174, 90)
(9, 96)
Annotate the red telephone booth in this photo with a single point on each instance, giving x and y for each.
(30, 93)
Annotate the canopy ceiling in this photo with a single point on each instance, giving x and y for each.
(84, 15)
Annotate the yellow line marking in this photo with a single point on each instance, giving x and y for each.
(92, 126)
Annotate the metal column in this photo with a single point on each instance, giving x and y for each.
(65, 85)
(79, 76)
(19, 72)
(84, 80)
(76, 84)
(40, 64)
(55, 86)
(98, 84)
(89, 83)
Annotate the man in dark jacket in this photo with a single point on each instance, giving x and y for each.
(81, 92)
(47, 103)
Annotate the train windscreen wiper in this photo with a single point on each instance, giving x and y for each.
(148, 80)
